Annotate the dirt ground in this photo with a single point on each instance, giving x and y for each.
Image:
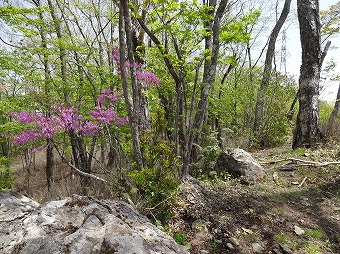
(299, 212)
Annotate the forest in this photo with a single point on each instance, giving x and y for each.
(128, 99)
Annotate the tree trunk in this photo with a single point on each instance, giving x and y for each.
(333, 119)
(260, 103)
(323, 55)
(62, 51)
(179, 133)
(47, 84)
(49, 162)
(212, 44)
(138, 49)
(307, 131)
(125, 28)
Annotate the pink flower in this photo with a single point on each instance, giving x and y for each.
(37, 148)
(69, 119)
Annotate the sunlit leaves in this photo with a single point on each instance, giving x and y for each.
(238, 30)
(21, 18)
(330, 20)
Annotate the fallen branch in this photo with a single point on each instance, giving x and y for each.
(301, 163)
(314, 163)
(303, 181)
(76, 169)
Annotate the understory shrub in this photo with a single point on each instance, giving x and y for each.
(154, 186)
(6, 174)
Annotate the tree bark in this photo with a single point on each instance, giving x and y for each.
(333, 119)
(260, 103)
(47, 83)
(125, 29)
(323, 56)
(212, 44)
(307, 131)
(62, 51)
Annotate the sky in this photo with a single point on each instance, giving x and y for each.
(293, 56)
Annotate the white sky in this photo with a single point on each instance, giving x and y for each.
(293, 58)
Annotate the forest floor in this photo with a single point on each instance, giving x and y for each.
(294, 209)
(296, 212)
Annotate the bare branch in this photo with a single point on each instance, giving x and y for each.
(303, 181)
(80, 172)
(300, 163)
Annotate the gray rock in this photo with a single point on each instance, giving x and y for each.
(277, 251)
(257, 248)
(230, 246)
(204, 252)
(234, 241)
(78, 224)
(285, 248)
(238, 162)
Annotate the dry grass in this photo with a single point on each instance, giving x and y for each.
(31, 180)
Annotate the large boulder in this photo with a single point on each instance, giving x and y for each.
(77, 224)
(238, 162)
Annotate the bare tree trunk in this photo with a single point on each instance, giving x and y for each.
(49, 163)
(62, 51)
(212, 44)
(333, 119)
(138, 49)
(291, 110)
(179, 134)
(47, 81)
(125, 28)
(260, 103)
(307, 131)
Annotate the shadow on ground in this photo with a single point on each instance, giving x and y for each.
(237, 216)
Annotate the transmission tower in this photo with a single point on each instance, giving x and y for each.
(283, 63)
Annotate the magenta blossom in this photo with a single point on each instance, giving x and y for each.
(37, 148)
(69, 120)
(146, 78)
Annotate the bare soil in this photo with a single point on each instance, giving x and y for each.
(226, 215)
(235, 216)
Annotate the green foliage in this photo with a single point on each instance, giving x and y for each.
(291, 240)
(157, 182)
(233, 104)
(313, 248)
(179, 238)
(240, 30)
(325, 110)
(311, 243)
(6, 174)
(206, 155)
(275, 127)
(160, 226)
(330, 20)
(315, 233)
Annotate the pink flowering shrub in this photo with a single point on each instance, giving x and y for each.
(68, 120)
(147, 79)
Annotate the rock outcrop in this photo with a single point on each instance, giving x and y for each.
(238, 162)
(78, 224)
